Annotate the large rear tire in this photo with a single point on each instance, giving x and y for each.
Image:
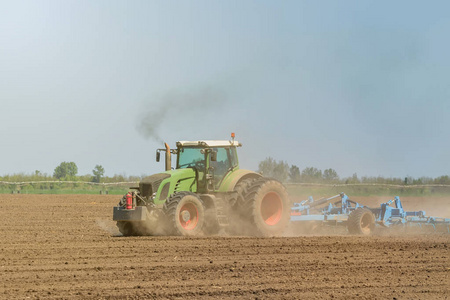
(185, 214)
(361, 221)
(265, 206)
(236, 212)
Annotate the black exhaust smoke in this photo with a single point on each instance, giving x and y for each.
(177, 107)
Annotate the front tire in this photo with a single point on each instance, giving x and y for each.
(185, 214)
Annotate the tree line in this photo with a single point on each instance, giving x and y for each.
(280, 170)
(284, 172)
(68, 171)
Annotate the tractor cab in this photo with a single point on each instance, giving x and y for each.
(211, 160)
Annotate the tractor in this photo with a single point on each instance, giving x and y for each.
(206, 193)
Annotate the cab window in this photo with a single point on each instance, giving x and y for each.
(190, 157)
(225, 160)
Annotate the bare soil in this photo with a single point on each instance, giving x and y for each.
(66, 247)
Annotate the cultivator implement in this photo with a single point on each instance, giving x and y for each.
(361, 219)
(397, 217)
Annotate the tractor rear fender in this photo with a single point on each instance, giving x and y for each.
(233, 178)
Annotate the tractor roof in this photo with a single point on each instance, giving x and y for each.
(208, 144)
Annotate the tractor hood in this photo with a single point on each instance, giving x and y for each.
(176, 178)
(180, 175)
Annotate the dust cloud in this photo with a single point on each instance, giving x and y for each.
(180, 106)
(108, 226)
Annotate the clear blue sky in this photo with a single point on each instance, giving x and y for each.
(357, 86)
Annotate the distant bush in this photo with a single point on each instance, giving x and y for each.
(66, 170)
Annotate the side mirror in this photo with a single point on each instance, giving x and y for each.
(158, 156)
(214, 156)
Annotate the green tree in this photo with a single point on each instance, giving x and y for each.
(294, 174)
(355, 179)
(311, 174)
(98, 173)
(330, 175)
(281, 171)
(444, 179)
(65, 170)
(266, 166)
(271, 168)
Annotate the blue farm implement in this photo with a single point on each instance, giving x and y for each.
(361, 219)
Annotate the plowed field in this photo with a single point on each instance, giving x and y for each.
(65, 246)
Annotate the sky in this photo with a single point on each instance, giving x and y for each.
(357, 86)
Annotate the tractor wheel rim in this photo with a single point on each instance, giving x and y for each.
(366, 220)
(271, 208)
(190, 210)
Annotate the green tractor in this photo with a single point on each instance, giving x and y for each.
(206, 193)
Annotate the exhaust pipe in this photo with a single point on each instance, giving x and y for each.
(168, 158)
